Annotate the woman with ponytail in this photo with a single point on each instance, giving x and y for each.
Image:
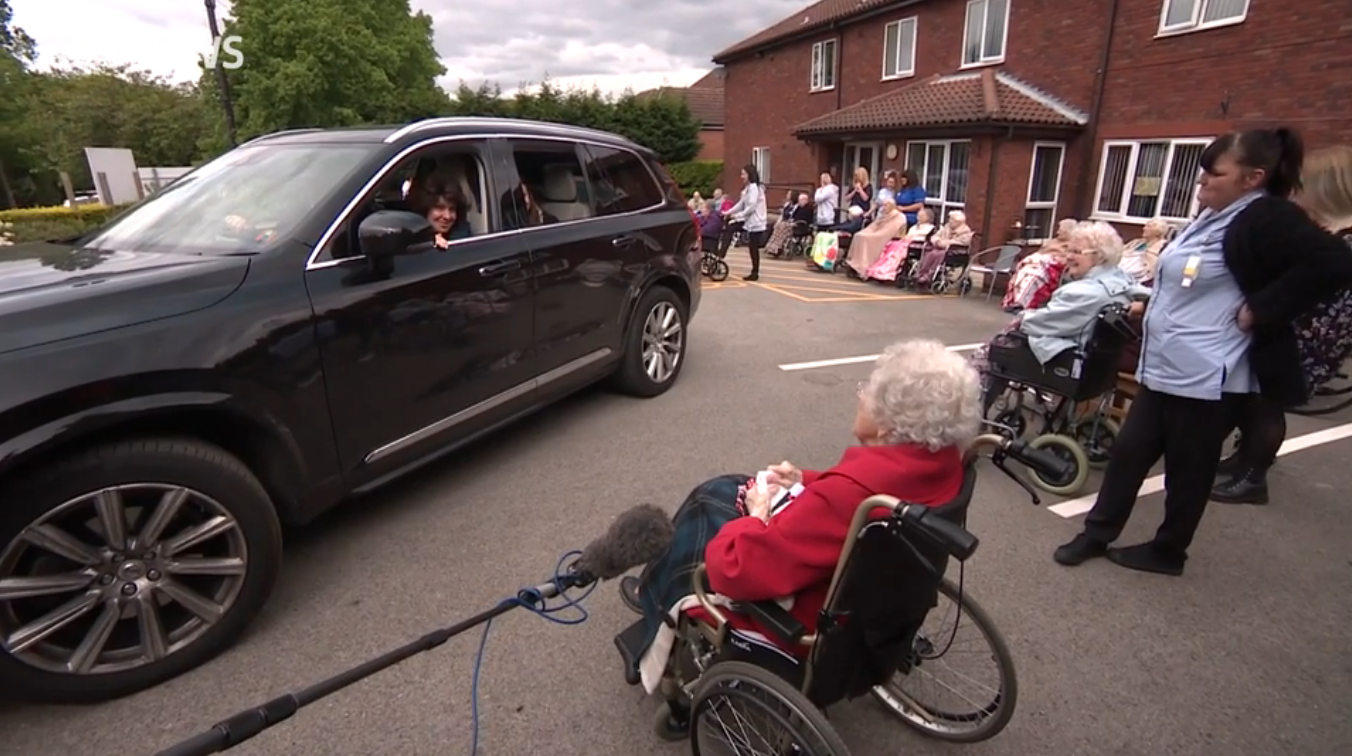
(751, 206)
(1217, 328)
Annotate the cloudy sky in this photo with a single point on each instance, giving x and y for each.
(610, 43)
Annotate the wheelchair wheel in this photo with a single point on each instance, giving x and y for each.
(940, 708)
(964, 286)
(1096, 437)
(1069, 450)
(740, 708)
(718, 270)
(938, 286)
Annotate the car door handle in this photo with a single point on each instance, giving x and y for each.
(620, 242)
(498, 268)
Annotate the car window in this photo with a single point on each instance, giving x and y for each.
(428, 182)
(241, 202)
(552, 187)
(622, 181)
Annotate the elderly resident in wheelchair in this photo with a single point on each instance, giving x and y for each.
(1069, 349)
(800, 595)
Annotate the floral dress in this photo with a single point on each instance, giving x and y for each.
(1325, 335)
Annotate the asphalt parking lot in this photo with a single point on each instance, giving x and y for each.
(1248, 653)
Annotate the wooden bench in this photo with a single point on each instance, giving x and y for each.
(1122, 396)
(1126, 391)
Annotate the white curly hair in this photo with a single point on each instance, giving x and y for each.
(1101, 239)
(921, 393)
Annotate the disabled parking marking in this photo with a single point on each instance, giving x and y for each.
(1082, 505)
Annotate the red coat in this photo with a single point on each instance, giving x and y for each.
(796, 552)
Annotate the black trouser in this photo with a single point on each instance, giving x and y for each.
(1262, 428)
(1189, 434)
(754, 241)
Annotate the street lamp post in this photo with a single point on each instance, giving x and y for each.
(222, 82)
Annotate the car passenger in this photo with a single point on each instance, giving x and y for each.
(521, 211)
(446, 210)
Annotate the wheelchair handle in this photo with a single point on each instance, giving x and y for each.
(954, 538)
(1043, 461)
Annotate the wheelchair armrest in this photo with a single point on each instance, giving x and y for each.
(775, 618)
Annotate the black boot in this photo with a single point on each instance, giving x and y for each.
(1248, 486)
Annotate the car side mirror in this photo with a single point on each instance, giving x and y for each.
(390, 233)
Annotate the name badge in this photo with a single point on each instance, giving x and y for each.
(1191, 269)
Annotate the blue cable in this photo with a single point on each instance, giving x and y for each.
(531, 600)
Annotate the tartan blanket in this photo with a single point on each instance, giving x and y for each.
(668, 579)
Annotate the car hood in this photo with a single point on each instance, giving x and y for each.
(51, 291)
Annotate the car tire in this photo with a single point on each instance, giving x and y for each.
(659, 322)
(201, 490)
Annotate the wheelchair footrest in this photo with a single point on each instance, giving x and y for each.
(630, 645)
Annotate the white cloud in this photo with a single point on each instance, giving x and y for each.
(509, 41)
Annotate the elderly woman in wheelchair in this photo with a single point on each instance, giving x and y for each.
(1066, 352)
(755, 597)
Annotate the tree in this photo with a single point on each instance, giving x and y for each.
(327, 63)
(114, 106)
(662, 123)
(17, 52)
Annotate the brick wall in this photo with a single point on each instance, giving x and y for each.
(1277, 67)
(766, 95)
(710, 145)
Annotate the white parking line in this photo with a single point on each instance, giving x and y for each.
(865, 358)
(1081, 505)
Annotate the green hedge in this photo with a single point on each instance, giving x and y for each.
(697, 176)
(43, 223)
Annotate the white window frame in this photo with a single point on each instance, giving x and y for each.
(940, 204)
(1196, 23)
(1129, 175)
(1029, 204)
(817, 76)
(982, 59)
(760, 157)
(902, 72)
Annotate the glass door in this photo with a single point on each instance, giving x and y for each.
(867, 154)
(942, 168)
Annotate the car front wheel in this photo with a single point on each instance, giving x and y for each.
(128, 565)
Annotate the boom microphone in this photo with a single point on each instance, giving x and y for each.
(638, 536)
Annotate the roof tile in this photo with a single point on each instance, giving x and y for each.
(816, 15)
(705, 103)
(978, 97)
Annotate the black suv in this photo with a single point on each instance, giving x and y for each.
(287, 325)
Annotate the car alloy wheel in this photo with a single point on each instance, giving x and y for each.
(119, 578)
(663, 336)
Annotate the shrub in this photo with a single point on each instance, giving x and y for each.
(44, 223)
(697, 176)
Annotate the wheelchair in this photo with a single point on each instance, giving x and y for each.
(874, 637)
(800, 243)
(1054, 392)
(711, 263)
(952, 273)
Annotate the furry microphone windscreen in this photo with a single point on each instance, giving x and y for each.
(638, 536)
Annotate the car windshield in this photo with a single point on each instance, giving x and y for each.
(239, 203)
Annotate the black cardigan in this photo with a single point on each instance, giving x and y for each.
(1285, 264)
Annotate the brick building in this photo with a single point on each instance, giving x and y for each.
(705, 100)
(1033, 109)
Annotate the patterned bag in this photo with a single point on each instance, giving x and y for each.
(826, 250)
